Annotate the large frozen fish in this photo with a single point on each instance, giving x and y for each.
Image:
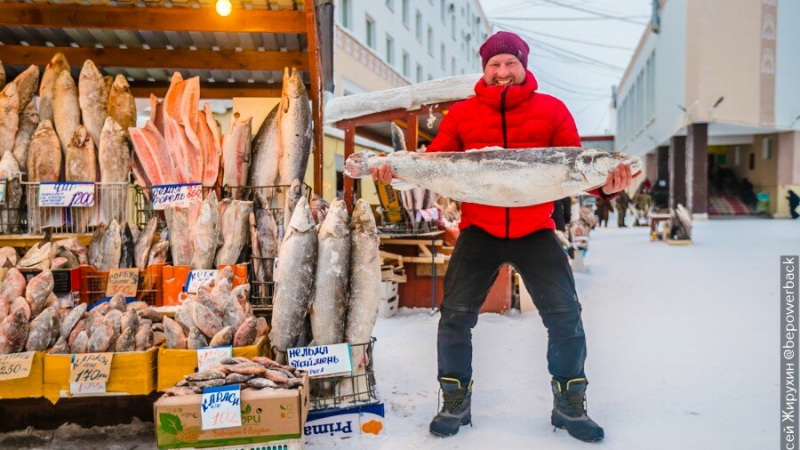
(499, 177)
(92, 97)
(2, 75)
(13, 332)
(44, 155)
(295, 128)
(37, 257)
(126, 259)
(365, 287)
(38, 291)
(13, 285)
(179, 242)
(206, 236)
(267, 238)
(210, 135)
(47, 89)
(66, 109)
(41, 329)
(96, 244)
(153, 154)
(80, 157)
(27, 82)
(172, 99)
(110, 247)
(157, 113)
(10, 170)
(235, 234)
(145, 242)
(115, 164)
(189, 112)
(266, 155)
(158, 253)
(28, 121)
(295, 279)
(121, 104)
(184, 153)
(333, 273)
(293, 194)
(236, 154)
(9, 117)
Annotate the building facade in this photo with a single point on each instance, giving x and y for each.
(710, 101)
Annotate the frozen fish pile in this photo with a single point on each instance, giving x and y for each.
(218, 315)
(259, 372)
(122, 247)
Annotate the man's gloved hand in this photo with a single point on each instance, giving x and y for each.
(618, 180)
(384, 174)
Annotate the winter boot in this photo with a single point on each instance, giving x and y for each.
(456, 409)
(569, 411)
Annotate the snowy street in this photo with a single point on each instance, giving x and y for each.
(683, 354)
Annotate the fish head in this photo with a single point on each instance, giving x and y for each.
(58, 61)
(595, 165)
(363, 218)
(90, 72)
(81, 137)
(121, 84)
(10, 90)
(360, 165)
(302, 220)
(293, 85)
(30, 113)
(295, 191)
(336, 222)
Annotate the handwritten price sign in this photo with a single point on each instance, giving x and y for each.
(198, 278)
(94, 367)
(176, 195)
(209, 356)
(221, 407)
(15, 365)
(66, 194)
(122, 281)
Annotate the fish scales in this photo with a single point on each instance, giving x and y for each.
(332, 277)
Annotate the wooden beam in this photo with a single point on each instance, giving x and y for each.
(412, 128)
(23, 55)
(151, 18)
(143, 89)
(349, 148)
(315, 71)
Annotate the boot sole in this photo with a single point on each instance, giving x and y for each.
(443, 435)
(559, 423)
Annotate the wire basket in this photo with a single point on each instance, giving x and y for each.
(346, 390)
(414, 222)
(13, 211)
(110, 202)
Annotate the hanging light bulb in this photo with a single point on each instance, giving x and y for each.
(224, 7)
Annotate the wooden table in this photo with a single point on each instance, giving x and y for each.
(420, 240)
(655, 219)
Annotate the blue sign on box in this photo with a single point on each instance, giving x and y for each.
(68, 194)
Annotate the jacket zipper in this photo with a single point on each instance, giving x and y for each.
(505, 145)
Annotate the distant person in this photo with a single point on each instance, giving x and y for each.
(604, 208)
(622, 208)
(794, 200)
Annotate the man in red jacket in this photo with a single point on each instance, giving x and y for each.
(507, 111)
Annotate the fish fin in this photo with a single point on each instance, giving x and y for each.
(402, 185)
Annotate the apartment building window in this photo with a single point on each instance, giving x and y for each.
(390, 4)
(453, 26)
(370, 33)
(430, 40)
(418, 26)
(389, 50)
(405, 13)
(452, 66)
(737, 156)
(406, 65)
(442, 10)
(651, 87)
(345, 17)
(443, 57)
(766, 148)
(419, 73)
(752, 161)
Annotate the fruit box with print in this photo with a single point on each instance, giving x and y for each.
(267, 415)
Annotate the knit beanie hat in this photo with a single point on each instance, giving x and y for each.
(504, 42)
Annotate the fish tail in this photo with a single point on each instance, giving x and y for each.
(357, 165)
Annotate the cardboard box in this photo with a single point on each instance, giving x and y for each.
(388, 290)
(388, 308)
(289, 444)
(175, 364)
(268, 415)
(28, 387)
(344, 423)
(132, 373)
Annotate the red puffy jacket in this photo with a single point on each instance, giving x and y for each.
(513, 116)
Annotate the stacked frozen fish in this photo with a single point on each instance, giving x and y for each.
(332, 275)
(113, 326)
(29, 316)
(63, 254)
(115, 247)
(259, 372)
(219, 315)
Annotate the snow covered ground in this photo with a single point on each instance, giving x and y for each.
(683, 354)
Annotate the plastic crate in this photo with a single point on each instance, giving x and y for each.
(93, 285)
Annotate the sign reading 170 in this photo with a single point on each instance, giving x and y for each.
(69, 194)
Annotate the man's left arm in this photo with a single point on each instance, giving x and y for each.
(566, 135)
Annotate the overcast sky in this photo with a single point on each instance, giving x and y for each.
(576, 55)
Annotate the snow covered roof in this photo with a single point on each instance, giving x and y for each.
(406, 97)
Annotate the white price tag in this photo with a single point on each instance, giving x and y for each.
(221, 407)
(175, 195)
(209, 356)
(322, 361)
(198, 278)
(73, 194)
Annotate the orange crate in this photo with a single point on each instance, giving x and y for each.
(174, 279)
(93, 285)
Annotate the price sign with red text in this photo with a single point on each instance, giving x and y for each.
(221, 407)
(89, 372)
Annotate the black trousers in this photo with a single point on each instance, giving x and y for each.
(543, 266)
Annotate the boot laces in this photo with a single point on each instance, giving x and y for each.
(577, 403)
(452, 400)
